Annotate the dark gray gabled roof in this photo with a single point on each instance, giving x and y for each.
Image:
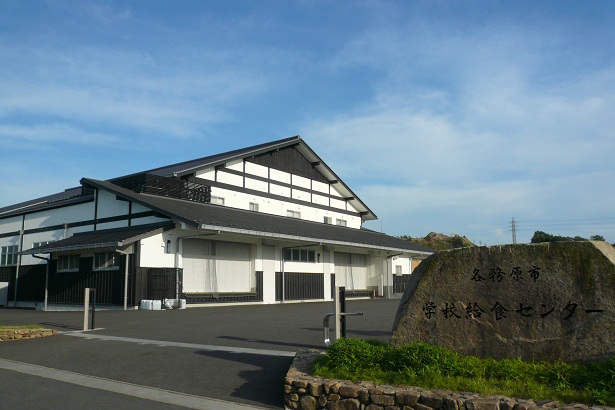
(231, 220)
(109, 238)
(70, 196)
(188, 166)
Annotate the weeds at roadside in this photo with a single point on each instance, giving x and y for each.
(435, 367)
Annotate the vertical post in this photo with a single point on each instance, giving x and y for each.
(343, 311)
(338, 312)
(126, 281)
(47, 283)
(93, 307)
(86, 309)
(283, 281)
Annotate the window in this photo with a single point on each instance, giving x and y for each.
(341, 222)
(67, 263)
(293, 214)
(8, 256)
(328, 220)
(106, 261)
(299, 255)
(217, 200)
(398, 269)
(253, 206)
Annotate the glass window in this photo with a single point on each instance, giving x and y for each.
(398, 269)
(328, 220)
(106, 261)
(218, 200)
(299, 255)
(8, 255)
(253, 206)
(68, 263)
(293, 214)
(341, 222)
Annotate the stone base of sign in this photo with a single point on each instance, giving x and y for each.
(304, 391)
(25, 334)
(549, 301)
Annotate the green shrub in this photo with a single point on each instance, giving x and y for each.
(431, 366)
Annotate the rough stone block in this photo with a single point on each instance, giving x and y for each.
(308, 403)
(383, 399)
(419, 406)
(408, 398)
(347, 404)
(350, 390)
(547, 403)
(449, 403)
(315, 389)
(431, 400)
(301, 384)
(546, 301)
(483, 404)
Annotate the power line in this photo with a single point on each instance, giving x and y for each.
(513, 227)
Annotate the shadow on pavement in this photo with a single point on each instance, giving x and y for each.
(272, 342)
(380, 334)
(264, 384)
(61, 326)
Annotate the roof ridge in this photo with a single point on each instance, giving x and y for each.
(218, 156)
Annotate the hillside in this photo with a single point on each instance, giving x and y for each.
(441, 241)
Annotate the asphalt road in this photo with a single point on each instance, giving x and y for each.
(237, 354)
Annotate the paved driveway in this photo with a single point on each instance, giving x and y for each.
(171, 358)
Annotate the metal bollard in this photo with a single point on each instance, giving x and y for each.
(325, 326)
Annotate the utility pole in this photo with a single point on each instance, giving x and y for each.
(513, 226)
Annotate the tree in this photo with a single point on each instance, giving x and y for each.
(457, 242)
(540, 236)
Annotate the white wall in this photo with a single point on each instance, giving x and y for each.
(109, 206)
(242, 200)
(152, 252)
(280, 207)
(59, 216)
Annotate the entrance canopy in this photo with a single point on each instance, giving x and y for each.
(118, 238)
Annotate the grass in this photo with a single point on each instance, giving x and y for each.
(22, 327)
(435, 367)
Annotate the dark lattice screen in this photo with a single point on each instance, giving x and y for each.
(165, 186)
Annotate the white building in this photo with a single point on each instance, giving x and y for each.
(265, 224)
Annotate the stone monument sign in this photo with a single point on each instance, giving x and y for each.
(539, 302)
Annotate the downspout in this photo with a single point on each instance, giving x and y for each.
(46, 278)
(125, 277)
(18, 267)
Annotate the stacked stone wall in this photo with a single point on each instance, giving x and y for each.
(303, 391)
(25, 334)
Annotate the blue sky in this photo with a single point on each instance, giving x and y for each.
(446, 116)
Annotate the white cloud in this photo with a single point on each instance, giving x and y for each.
(485, 138)
(56, 133)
